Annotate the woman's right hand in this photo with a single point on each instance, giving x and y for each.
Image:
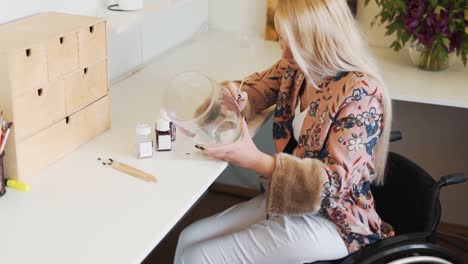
(241, 97)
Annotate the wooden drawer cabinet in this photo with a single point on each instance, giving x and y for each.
(53, 86)
(62, 137)
(92, 41)
(62, 54)
(27, 68)
(38, 109)
(85, 86)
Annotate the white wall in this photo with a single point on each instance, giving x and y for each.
(155, 34)
(434, 136)
(238, 15)
(374, 34)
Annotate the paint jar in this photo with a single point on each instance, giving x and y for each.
(144, 141)
(163, 135)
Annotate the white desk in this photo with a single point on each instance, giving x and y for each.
(79, 211)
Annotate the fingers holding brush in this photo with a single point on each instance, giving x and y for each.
(240, 96)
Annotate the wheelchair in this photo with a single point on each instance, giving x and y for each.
(409, 201)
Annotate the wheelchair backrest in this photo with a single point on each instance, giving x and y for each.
(407, 200)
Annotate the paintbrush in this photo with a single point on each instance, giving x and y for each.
(134, 170)
(127, 169)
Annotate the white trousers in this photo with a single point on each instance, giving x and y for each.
(241, 234)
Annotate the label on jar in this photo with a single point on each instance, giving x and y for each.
(164, 142)
(145, 149)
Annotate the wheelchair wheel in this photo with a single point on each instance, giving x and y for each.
(414, 253)
(420, 259)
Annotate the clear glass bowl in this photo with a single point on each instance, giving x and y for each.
(202, 109)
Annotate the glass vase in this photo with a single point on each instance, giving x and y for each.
(425, 59)
(202, 109)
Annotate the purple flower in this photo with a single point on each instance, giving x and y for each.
(439, 22)
(416, 9)
(456, 40)
(426, 36)
(410, 23)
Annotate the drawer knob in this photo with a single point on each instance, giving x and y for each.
(61, 40)
(85, 70)
(91, 29)
(67, 120)
(28, 52)
(39, 92)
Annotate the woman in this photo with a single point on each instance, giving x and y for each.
(333, 117)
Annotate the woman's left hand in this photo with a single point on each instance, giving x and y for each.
(387, 229)
(242, 153)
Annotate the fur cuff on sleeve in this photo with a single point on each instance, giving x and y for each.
(295, 186)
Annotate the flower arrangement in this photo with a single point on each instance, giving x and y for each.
(439, 28)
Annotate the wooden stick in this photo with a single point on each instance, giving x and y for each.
(127, 169)
(130, 172)
(134, 171)
(242, 83)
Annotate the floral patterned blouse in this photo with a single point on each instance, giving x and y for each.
(341, 129)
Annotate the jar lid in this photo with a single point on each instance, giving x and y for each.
(143, 129)
(163, 125)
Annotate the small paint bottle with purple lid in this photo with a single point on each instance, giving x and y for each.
(163, 135)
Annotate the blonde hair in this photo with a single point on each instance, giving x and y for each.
(324, 39)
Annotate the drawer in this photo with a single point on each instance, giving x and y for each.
(86, 86)
(92, 44)
(39, 151)
(36, 109)
(28, 69)
(89, 122)
(62, 55)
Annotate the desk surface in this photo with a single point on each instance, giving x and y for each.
(79, 211)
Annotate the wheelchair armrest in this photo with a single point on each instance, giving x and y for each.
(395, 136)
(385, 244)
(451, 179)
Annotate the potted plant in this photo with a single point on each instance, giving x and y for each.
(436, 31)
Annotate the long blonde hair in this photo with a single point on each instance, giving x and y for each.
(324, 39)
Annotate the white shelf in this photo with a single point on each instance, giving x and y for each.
(121, 21)
(406, 82)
